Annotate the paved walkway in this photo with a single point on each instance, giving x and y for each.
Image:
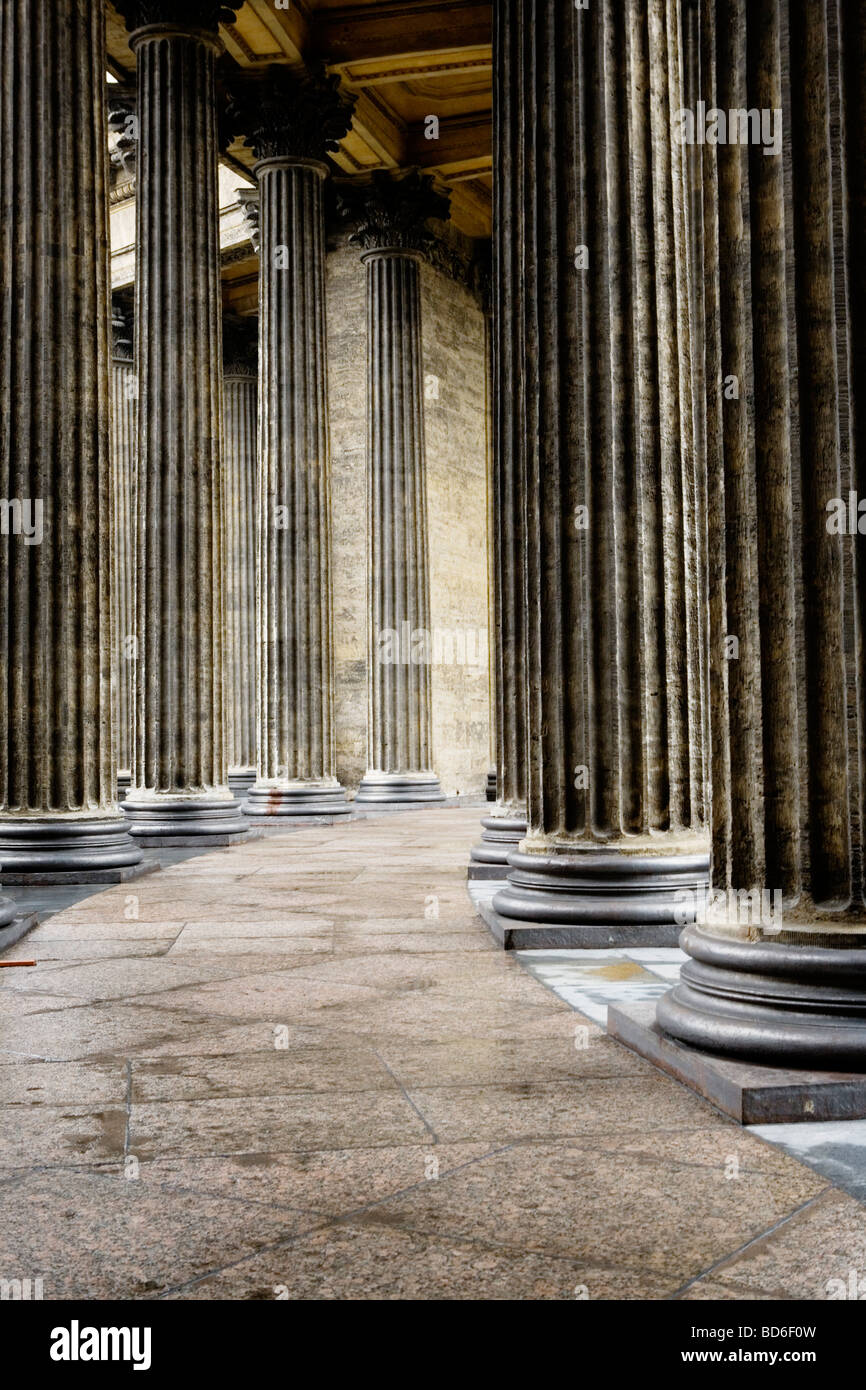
(299, 1068)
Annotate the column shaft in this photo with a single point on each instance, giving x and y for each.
(399, 714)
(778, 968)
(58, 803)
(124, 392)
(180, 774)
(296, 742)
(239, 471)
(613, 582)
(490, 790)
(506, 827)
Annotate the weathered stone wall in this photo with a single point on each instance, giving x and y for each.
(346, 321)
(454, 416)
(453, 342)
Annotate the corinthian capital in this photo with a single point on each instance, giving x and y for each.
(121, 328)
(182, 14)
(288, 115)
(240, 345)
(392, 213)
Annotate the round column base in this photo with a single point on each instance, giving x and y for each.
(490, 790)
(500, 837)
(8, 912)
(390, 788)
(603, 887)
(241, 779)
(267, 799)
(183, 821)
(790, 1003)
(66, 845)
(124, 782)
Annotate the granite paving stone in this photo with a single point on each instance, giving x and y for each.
(301, 1067)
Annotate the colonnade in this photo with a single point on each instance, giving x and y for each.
(130, 646)
(678, 355)
(680, 349)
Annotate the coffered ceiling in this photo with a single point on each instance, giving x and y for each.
(407, 60)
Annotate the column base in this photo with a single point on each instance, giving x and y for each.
(514, 935)
(799, 1002)
(14, 923)
(8, 912)
(240, 780)
(490, 791)
(751, 1093)
(194, 822)
(55, 879)
(500, 836)
(398, 788)
(279, 800)
(60, 849)
(606, 895)
(124, 782)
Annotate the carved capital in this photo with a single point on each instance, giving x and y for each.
(392, 213)
(240, 345)
(121, 329)
(283, 114)
(122, 131)
(180, 14)
(249, 201)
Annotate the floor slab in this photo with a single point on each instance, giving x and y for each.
(300, 1067)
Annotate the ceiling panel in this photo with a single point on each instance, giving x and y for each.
(405, 60)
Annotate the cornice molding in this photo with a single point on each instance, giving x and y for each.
(122, 193)
(236, 255)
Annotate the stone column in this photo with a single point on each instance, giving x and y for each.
(490, 790)
(291, 123)
(778, 956)
(605, 457)
(124, 398)
(240, 407)
(179, 793)
(394, 233)
(59, 818)
(503, 830)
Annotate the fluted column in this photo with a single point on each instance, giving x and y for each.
(291, 123)
(124, 398)
(58, 802)
(393, 234)
(503, 830)
(240, 408)
(490, 790)
(179, 790)
(778, 955)
(616, 814)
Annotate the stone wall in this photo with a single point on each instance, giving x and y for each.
(455, 423)
(347, 392)
(453, 341)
